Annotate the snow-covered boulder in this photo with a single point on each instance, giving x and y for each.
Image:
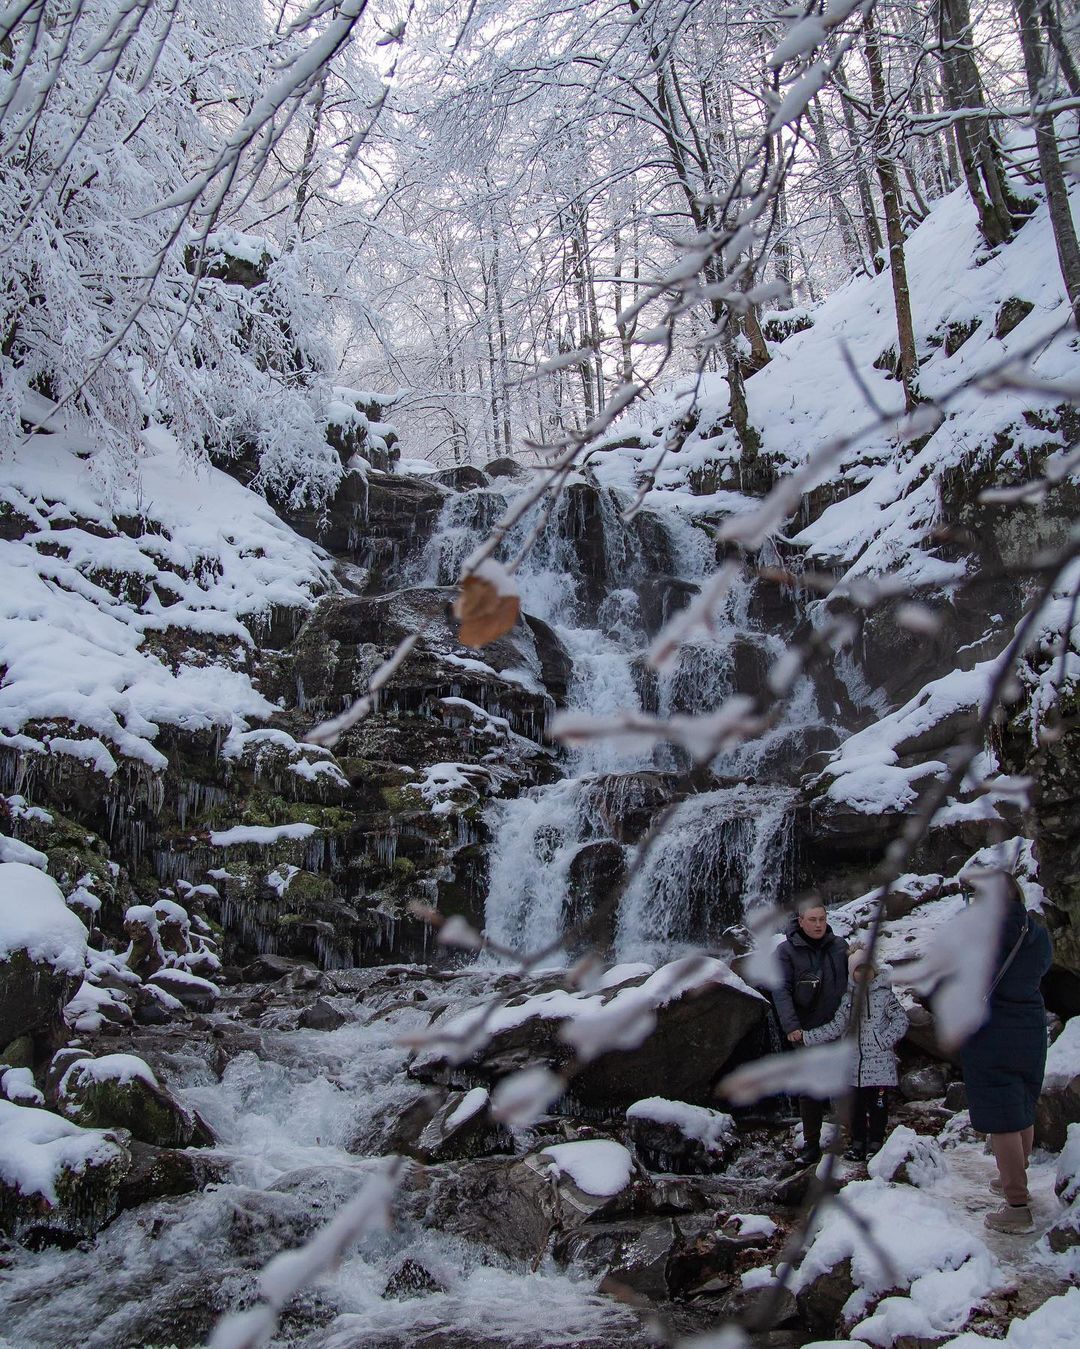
(669, 1032)
(17, 1084)
(42, 950)
(889, 1262)
(674, 1136)
(121, 1091)
(58, 1182)
(596, 1166)
(461, 1129)
(192, 990)
(908, 1158)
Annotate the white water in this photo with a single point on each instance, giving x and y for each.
(720, 854)
(712, 840)
(285, 1120)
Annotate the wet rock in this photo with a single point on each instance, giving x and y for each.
(956, 1096)
(462, 1129)
(709, 1261)
(321, 1015)
(1064, 1234)
(821, 1300)
(121, 1091)
(629, 1255)
(505, 468)
(497, 1202)
(626, 803)
(159, 1172)
(672, 1136)
(556, 665)
(923, 1084)
(594, 881)
(411, 1279)
(462, 478)
(660, 598)
(268, 967)
(59, 1182)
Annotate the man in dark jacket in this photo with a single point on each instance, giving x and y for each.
(814, 964)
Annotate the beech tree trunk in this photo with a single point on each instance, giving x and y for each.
(890, 196)
(1057, 196)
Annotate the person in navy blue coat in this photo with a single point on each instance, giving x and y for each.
(1004, 1061)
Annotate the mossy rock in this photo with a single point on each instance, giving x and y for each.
(87, 1199)
(149, 1112)
(32, 996)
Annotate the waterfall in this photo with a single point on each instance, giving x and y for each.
(535, 838)
(720, 853)
(604, 584)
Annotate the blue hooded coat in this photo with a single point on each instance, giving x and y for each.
(1004, 1060)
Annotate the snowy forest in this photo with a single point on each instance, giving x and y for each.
(539, 672)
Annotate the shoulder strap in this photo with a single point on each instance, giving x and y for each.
(1010, 957)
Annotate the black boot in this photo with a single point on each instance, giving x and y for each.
(810, 1154)
(856, 1153)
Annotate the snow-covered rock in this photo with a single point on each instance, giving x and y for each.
(668, 1032)
(891, 1240)
(908, 1158)
(673, 1136)
(121, 1091)
(58, 1182)
(42, 950)
(596, 1166)
(462, 1128)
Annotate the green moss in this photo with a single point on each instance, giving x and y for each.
(150, 1115)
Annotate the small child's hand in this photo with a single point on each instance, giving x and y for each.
(795, 1036)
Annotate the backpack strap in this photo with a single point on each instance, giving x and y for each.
(1010, 957)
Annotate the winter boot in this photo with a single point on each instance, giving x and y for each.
(996, 1186)
(856, 1153)
(1013, 1219)
(810, 1154)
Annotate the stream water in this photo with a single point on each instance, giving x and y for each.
(300, 1114)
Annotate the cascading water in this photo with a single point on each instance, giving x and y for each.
(605, 584)
(720, 854)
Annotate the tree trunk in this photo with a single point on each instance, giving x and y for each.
(962, 88)
(890, 196)
(848, 237)
(862, 183)
(1061, 47)
(1057, 196)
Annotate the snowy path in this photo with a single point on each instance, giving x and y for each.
(1032, 1275)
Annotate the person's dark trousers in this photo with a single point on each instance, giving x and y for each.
(870, 1117)
(812, 1113)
